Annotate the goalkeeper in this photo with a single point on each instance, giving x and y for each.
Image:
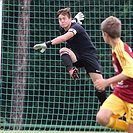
(81, 53)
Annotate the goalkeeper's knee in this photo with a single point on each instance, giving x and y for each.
(63, 52)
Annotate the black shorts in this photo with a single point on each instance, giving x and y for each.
(89, 62)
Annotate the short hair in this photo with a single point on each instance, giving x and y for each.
(65, 11)
(112, 26)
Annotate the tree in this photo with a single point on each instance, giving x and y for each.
(20, 73)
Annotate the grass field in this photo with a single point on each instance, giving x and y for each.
(1, 131)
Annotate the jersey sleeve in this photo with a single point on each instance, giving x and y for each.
(125, 57)
(73, 31)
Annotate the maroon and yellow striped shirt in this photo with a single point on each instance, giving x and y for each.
(122, 57)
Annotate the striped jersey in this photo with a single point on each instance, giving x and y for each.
(122, 58)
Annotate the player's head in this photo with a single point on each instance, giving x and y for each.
(65, 11)
(112, 26)
(64, 17)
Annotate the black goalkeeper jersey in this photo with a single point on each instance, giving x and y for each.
(84, 49)
(80, 42)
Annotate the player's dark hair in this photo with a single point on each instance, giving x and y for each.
(65, 11)
(112, 26)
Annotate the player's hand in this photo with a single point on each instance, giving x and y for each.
(41, 46)
(101, 84)
(79, 17)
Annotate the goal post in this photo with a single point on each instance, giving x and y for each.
(0, 55)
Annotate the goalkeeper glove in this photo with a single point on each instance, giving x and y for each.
(78, 18)
(42, 46)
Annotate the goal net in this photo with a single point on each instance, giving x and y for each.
(37, 93)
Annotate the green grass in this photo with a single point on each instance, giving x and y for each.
(1, 131)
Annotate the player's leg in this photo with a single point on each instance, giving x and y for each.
(100, 94)
(129, 116)
(93, 69)
(105, 118)
(130, 129)
(109, 113)
(68, 58)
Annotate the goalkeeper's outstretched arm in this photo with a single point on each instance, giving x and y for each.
(57, 40)
(43, 46)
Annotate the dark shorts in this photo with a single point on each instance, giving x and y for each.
(89, 62)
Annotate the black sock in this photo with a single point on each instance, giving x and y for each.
(101, 96)
(67, 61)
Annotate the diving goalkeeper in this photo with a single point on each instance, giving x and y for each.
(82, 52)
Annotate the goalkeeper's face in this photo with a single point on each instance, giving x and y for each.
(64, 21)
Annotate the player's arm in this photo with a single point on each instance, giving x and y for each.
(116, 78)
(103, 83)
(126, 62)
(60, 39)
